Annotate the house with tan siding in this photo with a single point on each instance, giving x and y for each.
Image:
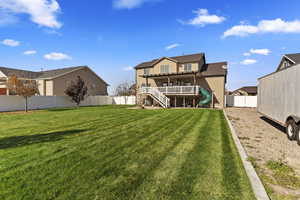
(55, 82)
(179, 81)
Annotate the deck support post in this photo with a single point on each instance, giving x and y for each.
(175, 102)
(168, 81)
(194, 102)
(183, 101)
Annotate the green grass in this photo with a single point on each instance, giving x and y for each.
(283, 174)
(112, 152)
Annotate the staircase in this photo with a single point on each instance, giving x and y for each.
(157, 96)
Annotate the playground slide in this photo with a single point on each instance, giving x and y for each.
(207, 97)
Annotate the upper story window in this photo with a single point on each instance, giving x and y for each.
(147, 71)
(164, 69)
(187, 67)
(286, 64)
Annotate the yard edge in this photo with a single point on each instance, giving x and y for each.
(256, 184)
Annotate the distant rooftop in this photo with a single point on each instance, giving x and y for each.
(37, 75)
(295, 57)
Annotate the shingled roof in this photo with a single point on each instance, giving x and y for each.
(58, 72)
(19, 73)
(37, 75)
(208, 69)
(180, 59)
(49, 74)
(214, 69)
(248, 89)
(295, 57)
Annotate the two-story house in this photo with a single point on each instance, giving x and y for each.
(177, 81)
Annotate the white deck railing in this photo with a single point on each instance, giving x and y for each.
(162, 99)
(189, 90)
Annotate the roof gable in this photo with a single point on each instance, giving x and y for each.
(248, 89)
(162, 59)
(49, 74)
(295, 57)
(291, 58)
(192, 58)
(8, 72)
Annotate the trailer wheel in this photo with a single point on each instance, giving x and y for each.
(291, 129)
(298, 135)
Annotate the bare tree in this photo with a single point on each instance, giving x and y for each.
(77, 90)
(125, 89)
(24, 88)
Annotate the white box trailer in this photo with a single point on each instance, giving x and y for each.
(279, 99)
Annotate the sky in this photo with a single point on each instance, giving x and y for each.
(113, 36)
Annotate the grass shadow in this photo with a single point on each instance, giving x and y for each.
(20, 141)
(274, 124)
(230, 169)
(61, 109)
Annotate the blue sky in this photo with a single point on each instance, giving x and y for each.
(112, 36)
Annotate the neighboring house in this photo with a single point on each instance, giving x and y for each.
(55, 82)
(246, 91)
(288, 60)
(177, 80)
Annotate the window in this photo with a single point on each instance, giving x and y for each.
(164, 69)
(286, 64)
(187, 67)
(146, 71)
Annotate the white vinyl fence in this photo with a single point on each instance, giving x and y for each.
(241, 101)
(14, 103)
(124, 100)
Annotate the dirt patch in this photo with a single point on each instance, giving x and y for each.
(265, 141)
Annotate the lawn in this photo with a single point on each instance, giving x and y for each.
(113, 152)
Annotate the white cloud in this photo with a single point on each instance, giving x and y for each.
(129, 4)
(172, 46)
(248, 62)
(203, 18)
(247, 54)
(264, 52)
(29, 52)
(42, 12)
(264, 26)
(129, 68)
(240, 30)
(10, 42)
(57, 56)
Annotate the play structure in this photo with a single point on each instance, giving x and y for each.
(207, 97)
